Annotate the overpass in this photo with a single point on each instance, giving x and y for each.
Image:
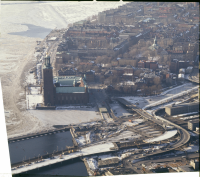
(185, 136)
(101, 147)
(168, 99)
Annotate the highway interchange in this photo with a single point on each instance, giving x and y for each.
(99, 97)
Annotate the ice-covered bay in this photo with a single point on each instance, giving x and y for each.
(38, 19)
(22, 24)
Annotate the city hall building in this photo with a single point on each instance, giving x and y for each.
(62, 90)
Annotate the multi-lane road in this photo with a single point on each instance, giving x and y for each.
(167, 158)
(184, 135)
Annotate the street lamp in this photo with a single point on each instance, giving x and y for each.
(38, 157)
(52, 154)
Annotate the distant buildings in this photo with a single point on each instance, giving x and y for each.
(148, 64)
(65, 71)
(192, 124)
(176, 65)
(182, 109)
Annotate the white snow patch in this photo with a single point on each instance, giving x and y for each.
(81, 140)
(166, 135)
(92, 163)
(33, 98)
(192, 148)
(135, 122)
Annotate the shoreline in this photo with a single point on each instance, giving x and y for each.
(20, 121)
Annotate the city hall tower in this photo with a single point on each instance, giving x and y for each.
(48, 83)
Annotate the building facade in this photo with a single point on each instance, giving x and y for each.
(48, 87)
(182, 109)
(62, 90)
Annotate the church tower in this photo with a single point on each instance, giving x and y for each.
(155, 41)
(48, 83)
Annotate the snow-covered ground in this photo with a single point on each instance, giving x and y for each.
(88, 137)
(193, 134)
(186, 114)
(165, 92)
(90, 124)
(144, 101)
(30, 79)
(134, 122)
(47, 15)
(81, 140)
(66, 116)
(71, 107)
(166, 135)
(119, 110)
(125, 155)
(92, 163)
(106, 156)
(124, 135)
(190, 117)
(34, 97)
(19, 33)
(105, 147)
(192, 148)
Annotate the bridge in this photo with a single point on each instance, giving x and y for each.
(91, 150)
(100, 147)
(185, 136)
(168, 99)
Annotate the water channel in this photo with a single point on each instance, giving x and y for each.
(34, 31)
(34, 147)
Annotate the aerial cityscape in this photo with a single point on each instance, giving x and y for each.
(114, 91)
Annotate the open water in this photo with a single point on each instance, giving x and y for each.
(21, 150)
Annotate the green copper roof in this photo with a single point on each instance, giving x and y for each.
(70, 89)
(68, 80)
(47, 64)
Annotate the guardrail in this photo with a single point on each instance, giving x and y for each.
(46, 156)
(177, 126)
(160, 118)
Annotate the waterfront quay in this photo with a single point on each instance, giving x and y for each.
(95, 149)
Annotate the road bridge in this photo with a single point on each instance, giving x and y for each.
(168, 99)
(93, 149)
(185, 136)
(102, 147)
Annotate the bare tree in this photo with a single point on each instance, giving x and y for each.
(156, 80)
(137, 73)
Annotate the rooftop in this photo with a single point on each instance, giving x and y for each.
(70, 89)
(69, 84)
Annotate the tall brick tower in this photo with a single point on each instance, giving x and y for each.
(48, 83)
